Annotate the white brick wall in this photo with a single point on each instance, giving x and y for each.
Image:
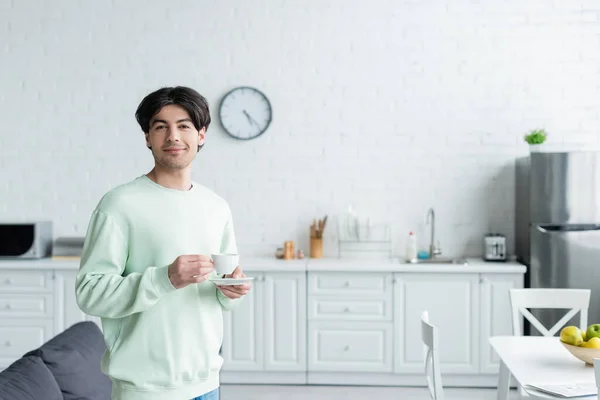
(392, 106)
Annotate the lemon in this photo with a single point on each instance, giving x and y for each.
(593, 343)
(571, 335)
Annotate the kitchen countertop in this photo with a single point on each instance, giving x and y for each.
(271, 264)
(474, 265)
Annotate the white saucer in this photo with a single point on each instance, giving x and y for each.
(230, 281)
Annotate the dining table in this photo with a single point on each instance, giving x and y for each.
(535, 360)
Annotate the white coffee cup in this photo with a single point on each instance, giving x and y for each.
(225, 263)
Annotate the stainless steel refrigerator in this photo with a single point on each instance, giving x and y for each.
(557, 228)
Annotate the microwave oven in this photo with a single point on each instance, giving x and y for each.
(26, 239)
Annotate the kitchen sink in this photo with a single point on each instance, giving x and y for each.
(441, 260)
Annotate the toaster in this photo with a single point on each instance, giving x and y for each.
(494, 247)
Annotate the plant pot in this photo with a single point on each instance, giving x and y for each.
(536, 148)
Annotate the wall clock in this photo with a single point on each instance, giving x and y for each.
(245, 113)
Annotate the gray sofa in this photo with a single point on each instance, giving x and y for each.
(66, 367)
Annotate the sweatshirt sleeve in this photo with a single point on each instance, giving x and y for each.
(228, 245)
(100, 288)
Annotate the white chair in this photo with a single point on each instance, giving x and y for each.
(430, 337)
(576, 300)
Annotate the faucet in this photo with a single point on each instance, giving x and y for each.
(433, 250)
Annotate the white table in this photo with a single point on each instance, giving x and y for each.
(536, 359)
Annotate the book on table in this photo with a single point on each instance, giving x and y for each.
(566, 390)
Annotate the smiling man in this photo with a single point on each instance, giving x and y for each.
(146, 263)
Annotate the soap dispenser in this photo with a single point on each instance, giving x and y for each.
(411, 248)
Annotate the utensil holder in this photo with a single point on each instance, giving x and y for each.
(316, 247)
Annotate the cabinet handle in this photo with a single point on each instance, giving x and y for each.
(347, 284)
(8, 281)
(7, 306)
(8, 343)
(347, 309)
(484, 280)
(347, 348)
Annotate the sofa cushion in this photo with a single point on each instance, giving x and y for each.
(28, 379)
(74, 357)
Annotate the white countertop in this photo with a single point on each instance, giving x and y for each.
(271, 264)
(474, 265)
(39, 264)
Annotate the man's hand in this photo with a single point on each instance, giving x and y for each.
(236, 291)
(189, 269)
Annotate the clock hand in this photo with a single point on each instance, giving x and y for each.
(250, 119)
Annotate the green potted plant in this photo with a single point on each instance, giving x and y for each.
(535, 138)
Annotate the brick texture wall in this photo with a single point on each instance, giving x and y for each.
(392, 106)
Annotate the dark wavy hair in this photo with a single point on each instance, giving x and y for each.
(192, 101)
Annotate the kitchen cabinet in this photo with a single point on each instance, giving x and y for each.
(284, 319)
(496, 317)
(35, 305)
(348, 329)
(67, 311)
(452, 301)
(322, 322)
(267, 331)
(19, 335)
(27, 312)
(350, 322)
(350, 347)
(243, 329)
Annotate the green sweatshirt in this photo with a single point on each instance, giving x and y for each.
(162, 342)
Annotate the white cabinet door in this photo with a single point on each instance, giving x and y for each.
(18, 336)
(495, 314)
(284, 310)
(67, 310)
(452, 301)
(243, 331)
(350, 346)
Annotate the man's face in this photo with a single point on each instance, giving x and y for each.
(173, 138)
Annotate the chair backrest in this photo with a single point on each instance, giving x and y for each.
(430, 337)
(576, 300)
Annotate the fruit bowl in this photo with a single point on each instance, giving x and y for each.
(585, 354)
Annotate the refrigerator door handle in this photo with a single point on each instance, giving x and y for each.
(554, 228)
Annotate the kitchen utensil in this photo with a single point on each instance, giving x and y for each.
(317, 228)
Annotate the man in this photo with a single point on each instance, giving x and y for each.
(146, 263)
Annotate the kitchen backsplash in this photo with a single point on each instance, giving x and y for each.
(390, 106)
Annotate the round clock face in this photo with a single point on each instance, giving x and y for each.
(245, 113)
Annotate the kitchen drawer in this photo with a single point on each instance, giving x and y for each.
(329, 309)
(350, 346)
(17, 337)
(21, 280)
(358, 284)
(26, 305)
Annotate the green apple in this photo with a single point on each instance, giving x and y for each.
(592, 331)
